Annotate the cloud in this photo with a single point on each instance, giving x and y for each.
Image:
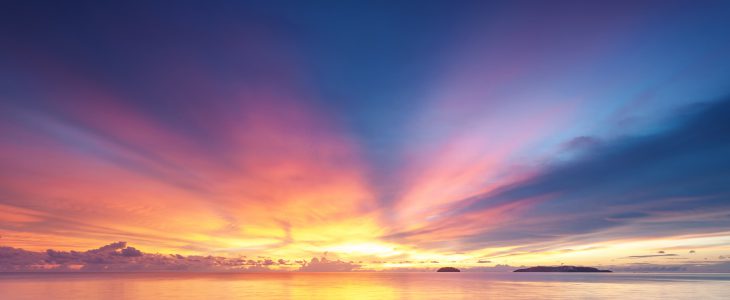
(651, 255)
(581, 143)
(88, 144)
(118, 257)
(14, 259)
(690, 267)
(131, 252)
(325, 265)
(113, 247)
(496, 268)
(668, 182)
(651, 268)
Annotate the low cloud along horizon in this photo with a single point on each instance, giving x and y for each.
(119, 257)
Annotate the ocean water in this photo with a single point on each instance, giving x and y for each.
(380, 286)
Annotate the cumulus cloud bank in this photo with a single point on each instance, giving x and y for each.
(118, 257)
(325, 265)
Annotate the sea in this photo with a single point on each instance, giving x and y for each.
(359, 285)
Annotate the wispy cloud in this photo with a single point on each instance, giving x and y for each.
(626, 187)
(651, 255)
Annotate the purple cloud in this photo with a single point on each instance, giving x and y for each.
(325, 265)
(118, 257)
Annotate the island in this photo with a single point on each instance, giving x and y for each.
(563, 269)
(448, 269)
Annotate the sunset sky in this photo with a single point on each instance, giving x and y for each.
(395, 135)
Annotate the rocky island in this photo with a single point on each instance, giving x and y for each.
(448, 269)
(563, 269)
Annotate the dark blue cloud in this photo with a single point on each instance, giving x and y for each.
(668, 183)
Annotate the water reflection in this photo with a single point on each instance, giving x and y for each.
(381, 286)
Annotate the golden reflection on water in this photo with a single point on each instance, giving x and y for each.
(380, 286)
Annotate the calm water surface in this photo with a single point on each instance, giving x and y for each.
(381, 286)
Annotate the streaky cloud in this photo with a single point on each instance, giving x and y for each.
(627, 187)
(652, 255)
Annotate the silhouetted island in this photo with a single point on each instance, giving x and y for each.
(448, 269)
(563, 269)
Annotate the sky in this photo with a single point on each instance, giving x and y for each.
(365, 135)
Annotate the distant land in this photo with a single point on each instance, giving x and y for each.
(448, 269)
(563, 269)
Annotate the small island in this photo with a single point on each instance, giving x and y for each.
(448, 269)
(572, 269)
